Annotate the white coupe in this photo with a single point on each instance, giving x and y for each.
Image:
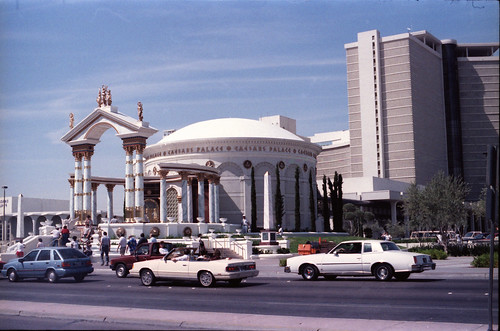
(382, 259)
(182, 264)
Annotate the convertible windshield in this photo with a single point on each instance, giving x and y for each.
(388, 246)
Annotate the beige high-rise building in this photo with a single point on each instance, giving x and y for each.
(417, 105)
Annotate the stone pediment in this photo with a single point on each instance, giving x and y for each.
(91, 128)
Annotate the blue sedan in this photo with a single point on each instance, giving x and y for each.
(51, 263)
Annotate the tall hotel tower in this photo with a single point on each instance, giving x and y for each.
(418, 105)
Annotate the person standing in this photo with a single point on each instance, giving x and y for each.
(152, 239)
(64, 236)
(105, 244)
(244, 225)
(122, 245)
(142, 239)
(201, 247)
(55, 237)
(40, 243)
(131, 245)
(20, 249)
(74, 243)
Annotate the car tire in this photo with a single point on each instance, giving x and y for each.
(121, 271)
(147, 277)
(206, 279)
(401, 275)
(12, 275)
(79, 278)
(309, 272)
(52, 276)
(330, 277)
(235, 282)
(383, 272)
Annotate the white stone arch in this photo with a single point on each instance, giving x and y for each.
(227, 168)
(94, 132)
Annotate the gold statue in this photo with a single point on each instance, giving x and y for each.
(71, 120)
(139, 110)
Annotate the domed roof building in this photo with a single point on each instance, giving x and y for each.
(209, 166)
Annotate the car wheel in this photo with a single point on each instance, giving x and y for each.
(12, 275)
(79, 278)
(310, 272)
(235, 282)
(147, 277)
(401, 275)
(330, 277)
(383, 272)
(52, 276)
(206, 279)
(121, 271)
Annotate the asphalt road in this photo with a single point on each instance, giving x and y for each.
(429, 299)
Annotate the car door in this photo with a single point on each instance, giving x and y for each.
(172, 266)
(26, 267)
(41, 263)
(345, 259)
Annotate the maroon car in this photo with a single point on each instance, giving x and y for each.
(146, 251)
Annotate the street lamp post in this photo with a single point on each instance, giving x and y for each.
(4, 224)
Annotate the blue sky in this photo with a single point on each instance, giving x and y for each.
(186, 61)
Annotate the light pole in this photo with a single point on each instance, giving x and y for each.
(4, 224)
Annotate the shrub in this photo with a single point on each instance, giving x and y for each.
(282, 262)
(283, 250)
(436, 252)
(483, 261)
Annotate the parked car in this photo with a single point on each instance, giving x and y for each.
(51, 263)
(382, 259)
(147, 251)
(473, 235)
(182, 264)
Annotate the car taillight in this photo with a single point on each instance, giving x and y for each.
(65, 264)
(88, 263)
(231, 269)
(251, 266)
(415, 259)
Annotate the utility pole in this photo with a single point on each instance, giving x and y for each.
(4, 224)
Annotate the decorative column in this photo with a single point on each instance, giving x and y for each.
(78, 198)
(189, 200)
(139, 183)
(216, 199)
(129, 184)
(179, 209)
(71, 199)
(184, 197)
(394, 212)
(20, 217)
(201, 195)
(87, 181)
(35, 230)
(163, 196)
(94, 202)
(109, 201)
(211, 210)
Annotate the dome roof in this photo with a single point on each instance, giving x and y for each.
(229, 128)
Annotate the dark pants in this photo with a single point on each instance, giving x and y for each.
(55, 242)
(105, 251)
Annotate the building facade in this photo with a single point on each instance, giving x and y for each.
(417, 105)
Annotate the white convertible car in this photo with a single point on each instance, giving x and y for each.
(182, 264)
(382, 259)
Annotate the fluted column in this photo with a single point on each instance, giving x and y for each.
(129, 184)
(163, 196)
(211, 200)
(184, 197)
(189, 201)
(87, 181)
(216, 200)
(201, 195)
(78, 197)
(139, 184)
(109, 201)
(94, 202)
(71, 199)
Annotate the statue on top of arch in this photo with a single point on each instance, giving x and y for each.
(104, 97)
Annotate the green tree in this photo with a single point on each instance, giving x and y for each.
(297, 200)
(279, 204)
(326, 209)
(357, 218)
(439, 206)
(312, 205)
(253, 198)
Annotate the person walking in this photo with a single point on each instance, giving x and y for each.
(122, 244)
(142, 239)
(105, 244)
(55, 237)
(64, 236)
(131, 245)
